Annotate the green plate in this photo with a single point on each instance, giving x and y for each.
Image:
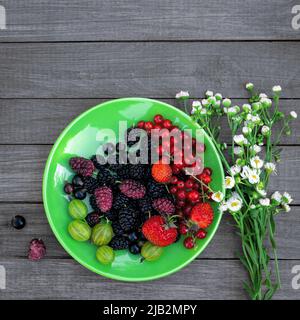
(79, 138)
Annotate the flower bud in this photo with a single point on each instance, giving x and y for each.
(227, 103)
(249, 86)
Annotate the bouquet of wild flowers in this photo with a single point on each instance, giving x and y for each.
(248, 174)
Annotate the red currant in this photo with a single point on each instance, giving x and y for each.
(201, 234)
(180, 203)
(181, 195)
(193, 196)
(141, 124)
(167, 124)
(207, 171)
(183, 229)
(187, 209)
(205, 178)
(189, 243)
(173, 180)
(148, 125)
(157, 126)
(189, 184)
(173, 190)
(158, 119)
(180, 184)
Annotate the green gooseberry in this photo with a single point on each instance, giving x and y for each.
(150, 252)
(105, 254)
(102, 233)
(79, 230)
(78, 209)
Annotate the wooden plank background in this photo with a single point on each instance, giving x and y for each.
(59, 57)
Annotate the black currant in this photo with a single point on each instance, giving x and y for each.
(18, 222)
(77, 181)
(80, 194)
(134, 249)
(68, 188)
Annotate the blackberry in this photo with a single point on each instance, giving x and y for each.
(132, 189)
(93, 204)
(93, 218)
(112, 215)
(145, 205)
(106, 177)
(119, 243)
(98, 161)
(82, 166)
(128, 219)
(104, 198)
(123, 171)
(90, 184)
(120, 201)
(117, 229)
(156, 190)
(137, 171)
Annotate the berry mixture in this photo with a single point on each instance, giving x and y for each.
(141, 207)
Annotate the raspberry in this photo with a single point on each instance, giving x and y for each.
(161, 172)
(82, 166)
(128, 219)
(37, 249)
(164, 205)
(202, 214)
(90, 184)
(119, 243)
(93, 218)
(104, 198)
(132, 189)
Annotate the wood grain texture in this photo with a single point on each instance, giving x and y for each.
(21, 172)
(225, 244)
(40, 121)
(105, 70)
(119, 20)
(66, 279)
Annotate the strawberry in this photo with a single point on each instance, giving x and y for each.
(161, 172)
(157, 231)
(202, 214)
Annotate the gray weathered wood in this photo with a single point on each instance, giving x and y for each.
(76, 20)
(95, 70)
(21, 171)
(66, 279)
(225, 245)
(40, 121)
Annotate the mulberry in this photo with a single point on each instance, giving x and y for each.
(82, 166)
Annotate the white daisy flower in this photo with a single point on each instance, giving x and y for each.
(238, 151)
(265, 130)
(262, 96)
(226, 103)
(205, 103)
(196, 104)
(182, 95)
(229, 182)
(253, 177)
(277, 197)
(234, 170)
(203, 111)
(286, 198)
(249, 86)
(239, 139)
(223, 207)
(276, 89)
(232, 111)
(255, 148)
(270, 167)
(256, 162)
(246, 130)
(209, 93)
(245, 172)
(218, 96)
(234, 204)
(217, 196)
(246, 107)
(255, 119)
(286, 207)
(293, 114)
(266, 102)
(264, 202)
